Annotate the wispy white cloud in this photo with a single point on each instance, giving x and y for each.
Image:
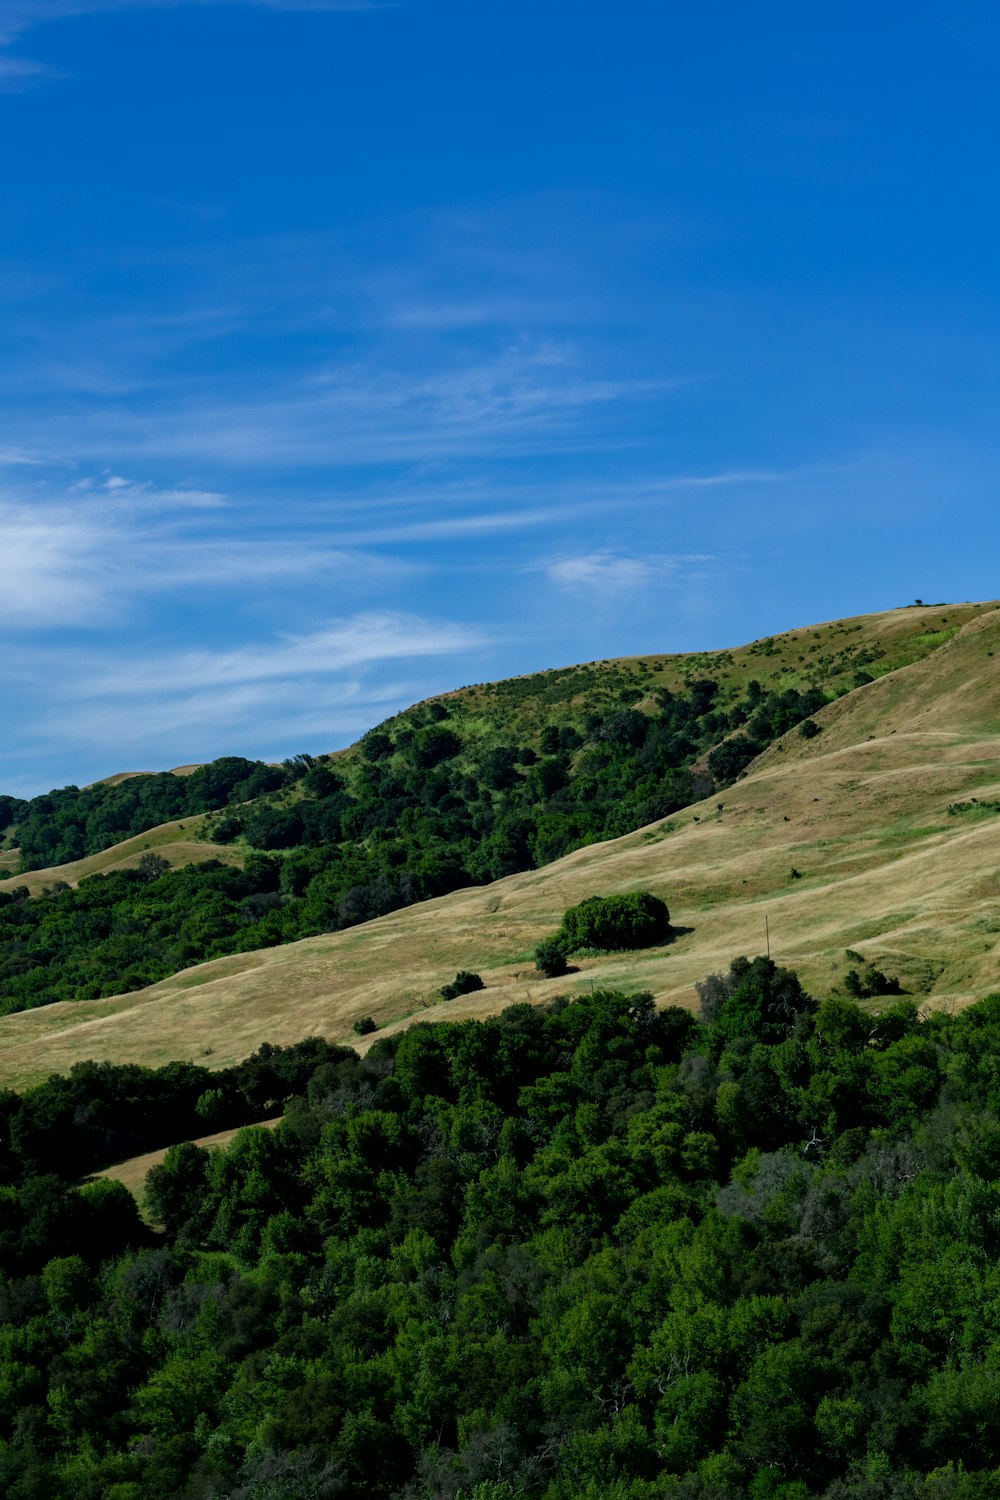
(22, 15)
(20, 458)
(268, 697)
(57, 570)
(452, 528)
(730, 477)
(272, 719)
(86, 558)
(614, 571)
(339, 646)
(134, 496)
(487, 500)
(15, 72)
(527, 396)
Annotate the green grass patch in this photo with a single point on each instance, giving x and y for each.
(900, 835)
(931, 639)
(973, 809)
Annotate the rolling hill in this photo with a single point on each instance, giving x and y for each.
(834, 657)
(876, 839)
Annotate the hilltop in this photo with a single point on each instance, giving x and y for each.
(834, 657)
(871, 839)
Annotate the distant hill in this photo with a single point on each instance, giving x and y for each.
(871, 840)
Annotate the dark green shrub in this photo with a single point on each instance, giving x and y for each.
(433, 745)
(376, 745)
(273, 828)
(464, 983)
(755, 999)
(226, 829)
(870, 983)
(615, 922)
(364, 1026)
(550, 958)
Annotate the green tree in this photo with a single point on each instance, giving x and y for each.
(616, 922)
(550, 958)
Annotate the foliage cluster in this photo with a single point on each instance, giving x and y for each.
(869, 982)
(463, 983)
(636, 920)
(587, 1251)
(612, 923)
(550, 958)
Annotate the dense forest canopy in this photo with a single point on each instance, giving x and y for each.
(586, 1250)
(424, 809)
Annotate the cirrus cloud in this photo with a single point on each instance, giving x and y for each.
(616, 571)
(87, 557)
(268, 696)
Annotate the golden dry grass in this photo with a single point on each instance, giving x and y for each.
(861, 811)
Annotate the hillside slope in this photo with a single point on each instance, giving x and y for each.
(833, 657)
(458, 791)
(860, 812)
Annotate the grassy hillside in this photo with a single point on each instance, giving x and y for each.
(458, 791)
(885, 815)
(835, 657)
(69, 823)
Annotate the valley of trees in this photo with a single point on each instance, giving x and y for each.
(426, 805)
(588, 1250)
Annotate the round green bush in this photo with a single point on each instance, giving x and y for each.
(615, 922)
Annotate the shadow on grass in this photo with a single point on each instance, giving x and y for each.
(665, 942)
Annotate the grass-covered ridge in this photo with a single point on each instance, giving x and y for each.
(463, 790)
(591, 1249)
(423, 810)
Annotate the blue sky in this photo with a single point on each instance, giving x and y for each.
(354, 352)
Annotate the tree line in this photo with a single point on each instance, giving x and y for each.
(591, 1249)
